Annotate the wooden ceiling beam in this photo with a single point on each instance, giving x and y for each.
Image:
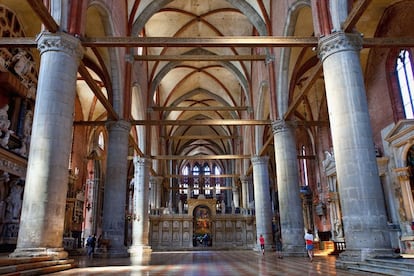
(202, 176)
(201, 137)
(200, 58)
(200, 157)
(234, 42)
(314, 75)
(44, 15)
(355, 14)
(199, 108)
(140, 153)
(206, 122)
(217, 41)
(97, 91)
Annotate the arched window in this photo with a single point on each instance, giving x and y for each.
(217, 171)
(404, 72)
(101, 141)
(196, 172)
(206, 171)
(200, 179)
(304, 167)
(184, 182)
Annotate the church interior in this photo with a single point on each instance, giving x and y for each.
(199, 125)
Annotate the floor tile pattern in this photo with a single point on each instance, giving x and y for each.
(206, 263)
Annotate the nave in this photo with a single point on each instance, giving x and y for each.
(205, 263)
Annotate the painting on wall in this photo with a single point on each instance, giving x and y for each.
(202, 226)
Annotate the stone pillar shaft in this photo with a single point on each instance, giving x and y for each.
(152, 192)
(159, 192)
(362, 201)
(290, 205)
(236, 196)
(244, 188)
(140, 251)
(262, 200)
(43, 211)
(140, 221)
(115, 188)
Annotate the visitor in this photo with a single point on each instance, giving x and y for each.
(262, 243)
(90, 245)
(309, 244)
(279, 246)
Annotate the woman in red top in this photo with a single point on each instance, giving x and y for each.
(262, 243)
(309, 244)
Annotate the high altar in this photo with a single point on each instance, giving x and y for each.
(202, 226)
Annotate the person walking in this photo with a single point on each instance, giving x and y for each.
(279, 247)
(90, 244)
(309, 244)
(262, 243)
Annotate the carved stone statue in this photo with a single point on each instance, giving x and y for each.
(338, 229)
(27, 131)
(4, 126)
(14, 200)
(180, 207)
(329, 158)
(3, 193)
(22, 64)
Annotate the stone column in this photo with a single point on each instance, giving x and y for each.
(115, 189)
(140, 249)
(152, 192)
(158, 195)
(43, 211)
(245, 192)
(236, 196)
(361, 196)
(262, 200)
(290, 204)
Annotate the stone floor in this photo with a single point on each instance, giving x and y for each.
(217, 263)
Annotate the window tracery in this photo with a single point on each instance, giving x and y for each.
(404, 73)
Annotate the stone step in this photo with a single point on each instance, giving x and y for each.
(397, 262)
(6, 261)
(381, 269)
(41, 270)
(381, 266)
(34, 267)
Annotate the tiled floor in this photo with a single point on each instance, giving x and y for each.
(217, 263)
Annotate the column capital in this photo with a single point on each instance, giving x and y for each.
(244, 178)
(282, 126)
(142, 161)
(61, 42)
(339, 42)
(156, 179)
(403, 174)
(120, 124)
(256, 160)
(129, 58)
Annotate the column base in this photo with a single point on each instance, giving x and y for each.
(140, 254)
(360, 255)
(55, 253)
(294, 251)
(111, 253)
